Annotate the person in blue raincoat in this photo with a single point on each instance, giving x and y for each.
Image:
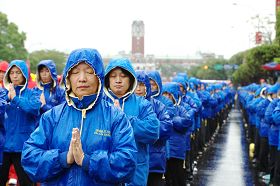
(276, 118)
(84, 141)
(21, 113)
(51, 94)
(120, 84)
(273, 132)
(2, 129)
(157, 151)
(188, 103)
(156, 90)
(176, 144)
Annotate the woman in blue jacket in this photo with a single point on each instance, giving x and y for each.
(84, 141)
(120, 84)
(157, 151)
(176, 144)
(51, 94)
(273, 132)
(21, 111)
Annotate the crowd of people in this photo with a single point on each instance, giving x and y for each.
(261, 110)
(105, 126)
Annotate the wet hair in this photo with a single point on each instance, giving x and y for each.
(126, 72)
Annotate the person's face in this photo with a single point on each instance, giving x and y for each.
(16, 76)
(154, 86)
(169, 96)
(2, 73)
(83, 80)
(140, 89)
(118, 82)
(202, 87)
(182, 88)
(273, 96)
(45, 75)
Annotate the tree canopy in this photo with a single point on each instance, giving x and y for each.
(11, 40)
(58, 57)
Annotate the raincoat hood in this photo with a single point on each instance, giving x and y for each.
(154, 75)
(125, 64)
(24, 70)
(181, 80)
(4, 66)
(144, 78)
(273, 89)
(183, 75)
(52, 68)
(94, 60)
(174, 89)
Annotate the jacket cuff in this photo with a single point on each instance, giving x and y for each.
(85, 164)
(15, 101)
(63, 159)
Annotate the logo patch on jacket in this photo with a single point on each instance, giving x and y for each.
(102, 132)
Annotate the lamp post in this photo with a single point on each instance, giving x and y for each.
(262, 25)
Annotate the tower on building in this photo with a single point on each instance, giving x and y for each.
(138, 38)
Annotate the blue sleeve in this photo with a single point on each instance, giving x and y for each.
(164, 119)
(276, 115)
(120, 163)
(59, 97)
(146, 125)
(30, 104)
(268, 113)
(38, 160)
(183, 120)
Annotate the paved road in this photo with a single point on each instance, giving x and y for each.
(226, 162)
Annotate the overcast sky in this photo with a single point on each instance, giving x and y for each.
(174, 28)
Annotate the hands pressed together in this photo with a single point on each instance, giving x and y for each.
(75, 153)
(12, 92)
(43, 99)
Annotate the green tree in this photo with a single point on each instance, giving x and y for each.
(210, 70)
(11, 41)
(250, 71)
(169, 70)
(58, 57)
(277, 28)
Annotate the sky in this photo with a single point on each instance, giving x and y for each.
(173, 28)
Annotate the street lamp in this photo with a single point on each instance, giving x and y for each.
(263, 26)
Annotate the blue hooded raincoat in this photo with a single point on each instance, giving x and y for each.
(157, 150)
(54, 94)
(182, 122)
(106, 136)
(21, 113)
(141, 116)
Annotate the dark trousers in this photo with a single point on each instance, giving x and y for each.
(155, 179)
(175, 172)
(257, 143)
(276, 179)
(13, 158)
(263, 155)
(251, 133)
(272, 160)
